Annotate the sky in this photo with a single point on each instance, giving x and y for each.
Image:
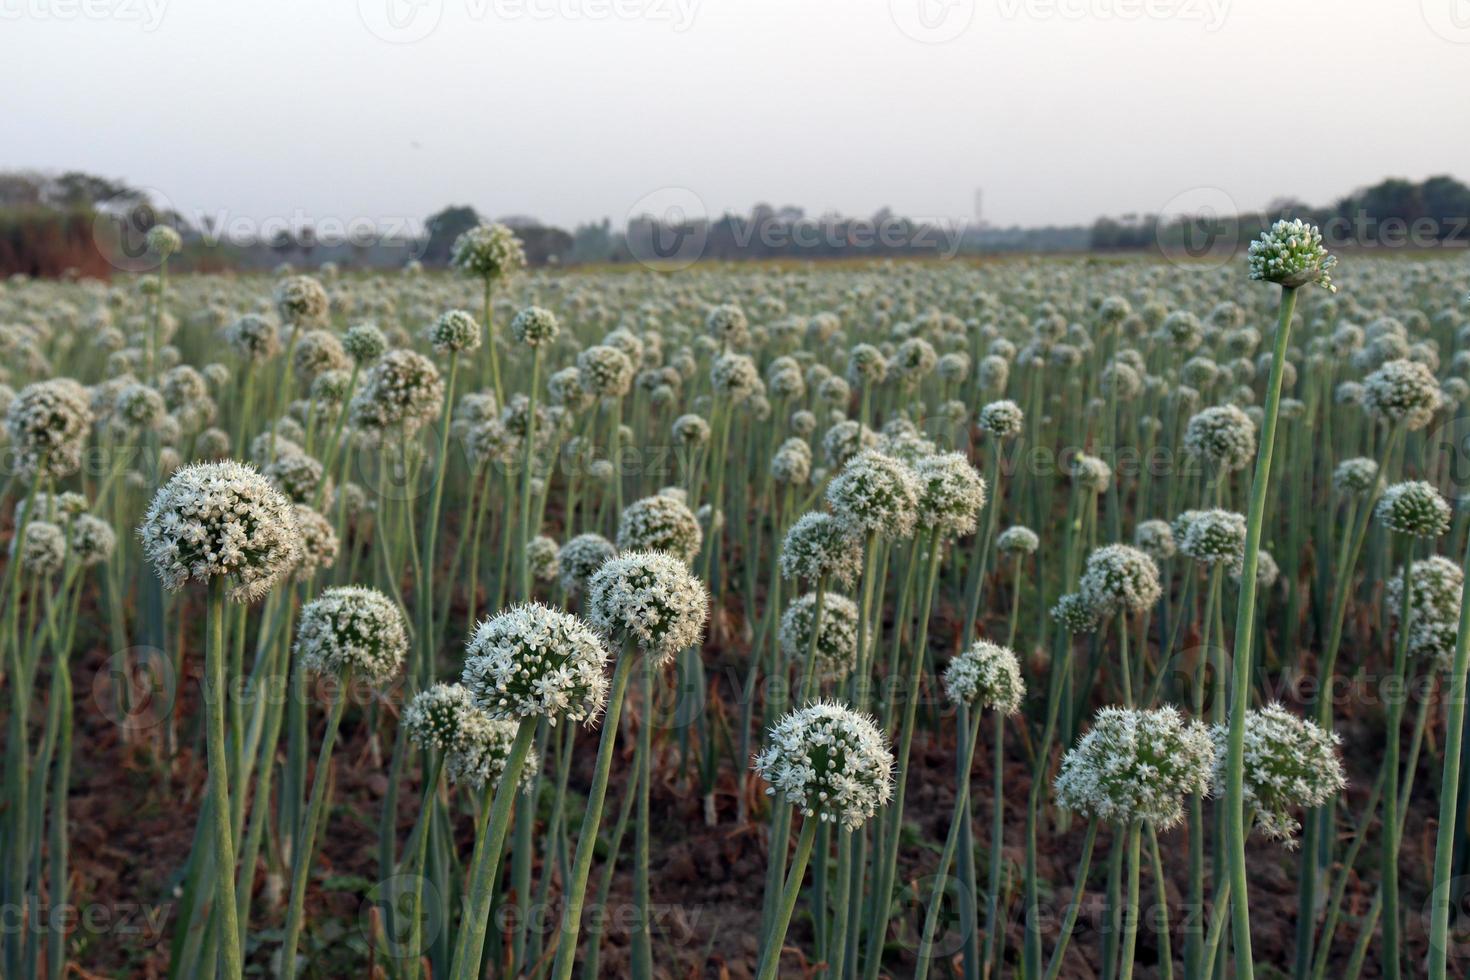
(573, 110)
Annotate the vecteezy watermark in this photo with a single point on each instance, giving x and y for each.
(1210, 13)
(148, 14)
(1450, 19)
(932, 21)
(1197, 228)
(409, 21)
(667, 229)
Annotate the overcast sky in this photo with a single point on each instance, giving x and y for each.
(570, 110)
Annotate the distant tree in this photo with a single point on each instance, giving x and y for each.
(443, 228)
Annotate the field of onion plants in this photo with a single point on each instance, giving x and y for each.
(1039, 618)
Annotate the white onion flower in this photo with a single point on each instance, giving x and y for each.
(1211, 537)
(830, 762)
(818, 545)
(1291, 253)
(1017, 540)
(434, 716)
(1137, 765)
(837, 641)
(533, 661)
(352, 629)
(1002, 419)
(986, 674)
(47, 423)
(220, 519)
(1222, 435)
(403, 389)
(1414, 508)
(535, 327)
(1402, 392)
(489, 252)
(660, 523)
(1355, 477)
(649, 599)
(1120, 578)
(477, 756)
(1156, 539)
(1290, 764)
(951, 494)
(454, 332)
(875, 494)
(580, 557)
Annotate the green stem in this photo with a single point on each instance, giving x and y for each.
(1444, 844)
(771, 955)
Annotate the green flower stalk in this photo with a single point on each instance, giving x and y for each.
(1290, 254)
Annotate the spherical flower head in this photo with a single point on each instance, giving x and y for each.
(42, 548)
(455, 332)
(690, 430)
(954, 366)
(480, 750)
(951, 494)
(727, 324)
(352, 629)
(435, 715)
(532, 661)
(138, 408)
(1290, 764)
(318, 351)
(1120, 578)
(535, 327)
(402, 389)
(1075, 613)
(837, 641)
(844, 440)
(1091, 473)
(735, 376)
(1121, 382)
(296, 475)
(1156, 539)
(47, 423)
(254, 338)
(1291, 254)
(489, 252)
(830, 762)
(818, 545)
(605, 371)
(541, 559)
(1223, 436)
(221, 519)
(1016, 541)
(651, 600)
(1402, 392)
(660, 523)
(580, 557)
(1183, 329)
(91, 540)
(364, 343)
(318, 540)
(163, 241)
(866, 366)
(302, 301)
(986, 674)
(1355, 477)
(1137, 765)
(792, 463)
(875, 494)
(1212, 537)
(1414, 508)
(1434, 591)
(1267, 571)
(1002, 419)
(913, 361)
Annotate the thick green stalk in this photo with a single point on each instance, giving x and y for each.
(970, 729)
(1244, 633)
(485, 865)
(771, 955)
(306, 838)
(219, 794)
(1069, 920)
(571, 922)
(1444, 844)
